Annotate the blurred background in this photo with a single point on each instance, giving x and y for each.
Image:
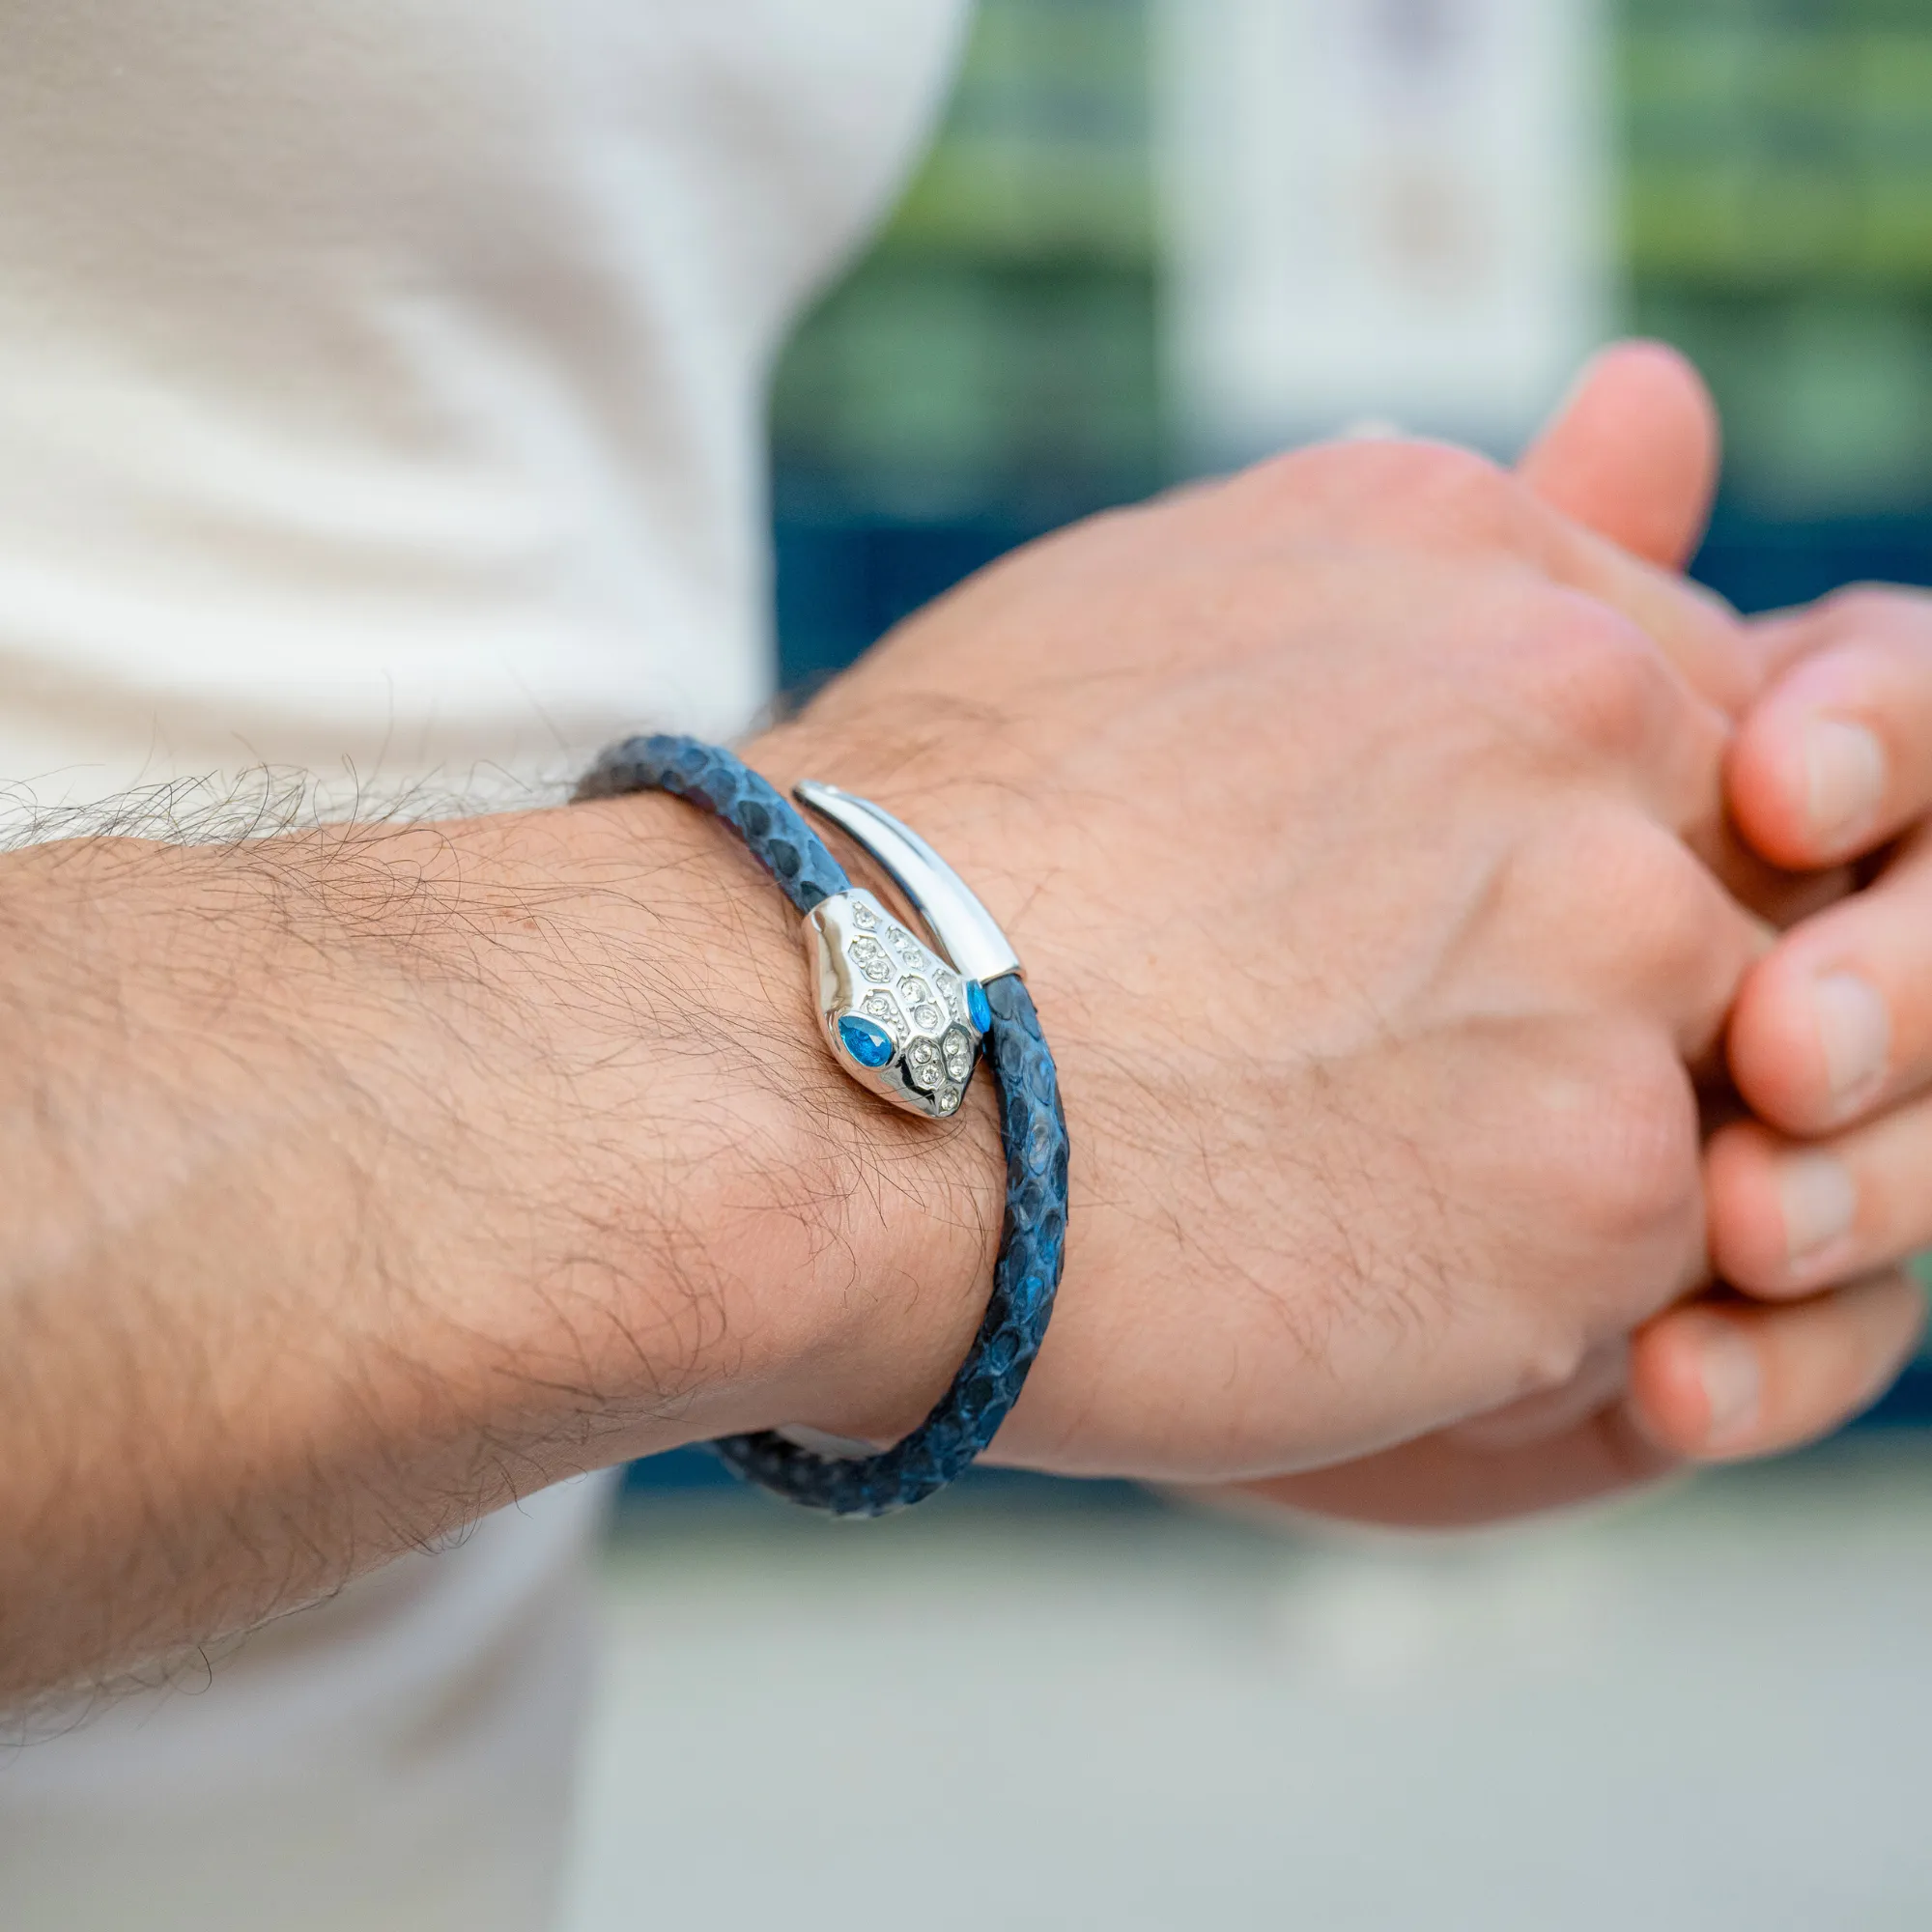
(1153, 238)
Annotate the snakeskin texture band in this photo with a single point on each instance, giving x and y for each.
(904, 1021)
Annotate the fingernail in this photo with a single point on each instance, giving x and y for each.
(1820, 1201)
(1727, 1367)
(1844, 777)
(1854, 1034)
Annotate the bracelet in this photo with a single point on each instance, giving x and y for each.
(907, 1023)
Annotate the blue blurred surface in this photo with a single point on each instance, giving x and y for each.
(1765, 565)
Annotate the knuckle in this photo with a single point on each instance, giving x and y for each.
(1455, 489)
(1608, 855)
(1624, 910)
(1590, 674)
(1622, 1135)
(1443, 471)
(1672, 926)
(1422, 489)
(1629, 895)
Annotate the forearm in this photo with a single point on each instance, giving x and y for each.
(361, 1181)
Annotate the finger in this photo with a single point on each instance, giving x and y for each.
(1722, 1381)
(1774, 897)
(1836, 1022)
(1709, 1381)
(1694, 628)
(1632, 457)
(1597, 680)
(1780, 639)
(1633, 453)
(1788, 1217)
(1423, 493)
(1836, 757)
(1601, 671)
(1696, 972)
(1630, 465)
(1440, 1482)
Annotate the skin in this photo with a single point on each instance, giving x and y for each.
(1832, 1044)
(1350, 1137)
(1717, 1380)
(1634, 456)
(362, 1180)
(361, 1183)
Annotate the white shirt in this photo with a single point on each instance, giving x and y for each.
(380, 394)
(382, 381)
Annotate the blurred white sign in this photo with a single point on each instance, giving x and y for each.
(1385, 209)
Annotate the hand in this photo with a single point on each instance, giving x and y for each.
(1339, 814)
(1832, 1043)
(1634, 455)
(379, 1174)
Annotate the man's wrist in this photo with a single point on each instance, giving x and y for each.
(849, 1247)
(370, 1177)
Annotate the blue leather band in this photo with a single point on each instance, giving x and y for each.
(707, 774)
(1033, 1130)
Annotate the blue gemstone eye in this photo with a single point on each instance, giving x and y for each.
(976, 1008)
(868, 1044)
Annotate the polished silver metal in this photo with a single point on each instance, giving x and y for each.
(866, 967)
(965, 929)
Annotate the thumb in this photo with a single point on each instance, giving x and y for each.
(1634, 453)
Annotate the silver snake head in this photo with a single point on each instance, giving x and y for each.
(896, 1015)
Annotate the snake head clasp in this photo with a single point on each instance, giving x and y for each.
(897, 1016)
